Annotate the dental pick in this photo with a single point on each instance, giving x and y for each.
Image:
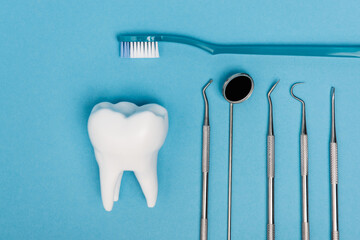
(271, 169)
(305, 232)
(334, 172)
(205, 167)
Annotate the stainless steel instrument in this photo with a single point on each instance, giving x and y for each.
(236, 89)
(271, 170)
(205, 167)
(334, 172)
(305, 232)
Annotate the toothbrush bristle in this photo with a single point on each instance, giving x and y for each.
(139, 50)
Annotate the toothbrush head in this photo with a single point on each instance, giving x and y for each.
(138, 48)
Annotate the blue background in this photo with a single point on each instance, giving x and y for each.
(60, 58)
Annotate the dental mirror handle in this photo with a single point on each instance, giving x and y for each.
(271, 176)
(230, 170)
(236, 89)
(205, 175)
(304, 179)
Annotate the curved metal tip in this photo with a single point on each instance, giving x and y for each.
(292, 94)
(206, 117)
(207, 85)
(273, 87)
(303, 124)
(333, 131)
(271, 127)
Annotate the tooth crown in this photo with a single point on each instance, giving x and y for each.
(126, 137)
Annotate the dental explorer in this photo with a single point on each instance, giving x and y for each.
(334, 172)
(271, 169)
(205, 167)
(305, 231)
(236, 89)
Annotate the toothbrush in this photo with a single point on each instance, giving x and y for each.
(146, 46)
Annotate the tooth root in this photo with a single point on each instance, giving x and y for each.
(149, 183)
(108, 180)
(117, 187)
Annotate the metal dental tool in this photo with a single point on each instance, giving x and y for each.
(334, 172)
(271, 169)
(205, 167)
(305, 232)
(236, 89)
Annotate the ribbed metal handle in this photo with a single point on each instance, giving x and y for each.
(203, 229)
(305, 231)
(333, 163)
(271, 156)
(335, 235)
(271, 232)
(304, 154)
(206, 148)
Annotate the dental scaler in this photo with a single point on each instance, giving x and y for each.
(271, 170)
(305, 232)
(334, 172)
(205, 167)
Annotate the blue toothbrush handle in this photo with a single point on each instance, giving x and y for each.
(252, 49)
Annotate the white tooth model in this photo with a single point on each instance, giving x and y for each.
(126, 137)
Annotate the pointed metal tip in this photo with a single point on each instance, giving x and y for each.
(206, 117)
(303, 124)
(333, 132)
(207, 85)
(297, 83)
(292, 93)
(273, 87)
(271, 127)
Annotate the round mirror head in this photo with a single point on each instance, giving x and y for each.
(238, 88)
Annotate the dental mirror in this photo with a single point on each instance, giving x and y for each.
(236, 89)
